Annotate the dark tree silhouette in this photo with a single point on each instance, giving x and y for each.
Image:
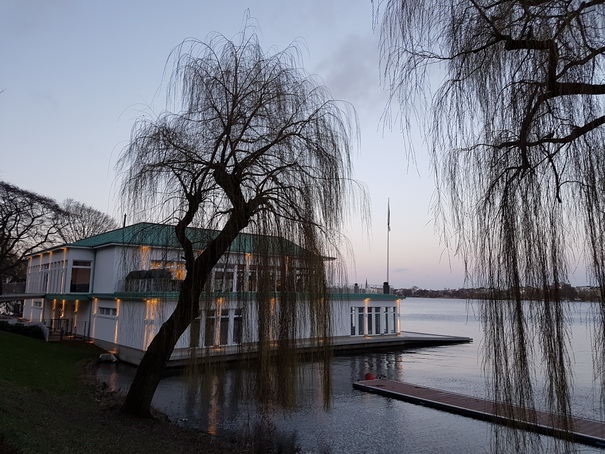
(255, 145)
(83, 221)
(514, 91)
(28, 222)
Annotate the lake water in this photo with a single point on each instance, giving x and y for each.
(358, 422)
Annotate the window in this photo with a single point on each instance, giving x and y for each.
(224, 328)
(237, 327)
(194, 333)
(37, 303)
(45, 282)
(241, 278)
(360, 319)
(80, 276)
(217, 281)
(252, 287)
(209, 329)
(377, 320)
(387, 321)
(177, 269)
(390, 319)
(223, 280)
(111, 311)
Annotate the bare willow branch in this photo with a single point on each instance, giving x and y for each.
(517, 140)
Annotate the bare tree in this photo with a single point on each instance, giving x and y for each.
(517, 140)
(255, 145)
(83, 221)
(28, 222)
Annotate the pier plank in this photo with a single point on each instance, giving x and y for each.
(583, 430)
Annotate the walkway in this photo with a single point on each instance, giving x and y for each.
(346, 344)
(584, 430)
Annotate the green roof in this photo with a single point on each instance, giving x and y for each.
(164, 235)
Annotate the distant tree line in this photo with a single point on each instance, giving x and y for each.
(566, 292)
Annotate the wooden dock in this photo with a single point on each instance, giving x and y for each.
(405, 339)
(584, 431)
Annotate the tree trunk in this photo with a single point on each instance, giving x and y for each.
(153, 363)
(155, 359)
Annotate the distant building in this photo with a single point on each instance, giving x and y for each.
(118, 287)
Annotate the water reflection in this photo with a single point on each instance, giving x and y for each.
(356, 422)
(225, 402)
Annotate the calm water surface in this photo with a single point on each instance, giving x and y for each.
(358, 422)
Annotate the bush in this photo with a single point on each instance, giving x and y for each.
(25, 330)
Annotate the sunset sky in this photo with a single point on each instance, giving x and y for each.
(75, 75)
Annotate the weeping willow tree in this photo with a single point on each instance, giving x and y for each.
(509, 93)
(249, 143)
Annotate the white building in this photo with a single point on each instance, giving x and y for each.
(117, 288)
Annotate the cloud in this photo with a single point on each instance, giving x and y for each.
(352, 74)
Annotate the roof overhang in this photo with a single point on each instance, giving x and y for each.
(20, 296)
(67, 296)
(47, 296)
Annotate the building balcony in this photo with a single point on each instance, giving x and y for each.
(149, 281)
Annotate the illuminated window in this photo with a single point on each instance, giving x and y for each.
(177, 269)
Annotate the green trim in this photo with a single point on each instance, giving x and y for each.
(248, 296)
(67, 296)
(174, 295)
(136, 296)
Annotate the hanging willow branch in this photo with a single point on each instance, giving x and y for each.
(257, 146)
(517, 141)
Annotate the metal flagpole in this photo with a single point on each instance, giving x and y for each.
(388, 233)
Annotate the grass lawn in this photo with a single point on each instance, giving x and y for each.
(49, 404)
